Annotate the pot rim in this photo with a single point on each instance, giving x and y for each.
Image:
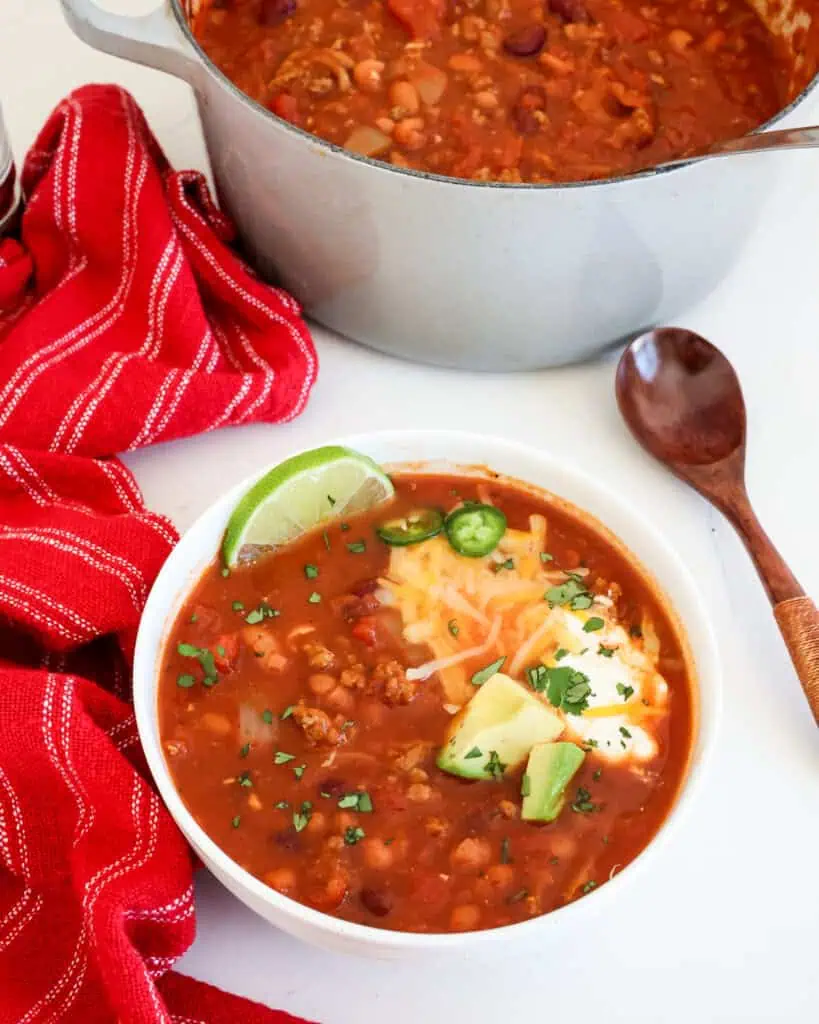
(442, 179)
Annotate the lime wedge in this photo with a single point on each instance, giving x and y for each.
(302, 492)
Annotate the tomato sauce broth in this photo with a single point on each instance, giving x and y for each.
(264, 757)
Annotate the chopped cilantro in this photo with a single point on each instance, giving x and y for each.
(359, 801)
(267, 716)
(505, 857)
(226, 572)
(554, 860)
(560, 653)
(194, 617)
(591, 884)
(263, 611)
(624, 732)
(546, 557)
(310, 571)
(282, 805)
(299, 770)
(353, 834)
(538, 677)
(301, 819)
(583, 803)
(344, 527)
(605, 652)
(220, 650)
(288, 711)
(314, 598)
(331, 499)
(592, 624)
(474, 752)
(185, 681)
(596, 774)
(357, 547)
(244, 750)
(237, 606)
(485, 674)
(525, 786)
(236, 822)
(205, 659)
(572, 593)
(453, 627)
(625, 691)
(245, 780)
(508, 564)
(494, 766)
(281, 758)
(568, 689)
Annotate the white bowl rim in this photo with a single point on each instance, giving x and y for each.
(708, 701)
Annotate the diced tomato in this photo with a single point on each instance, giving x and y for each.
(366, 630)
(225, 651)
(423, 19)
(286, 107)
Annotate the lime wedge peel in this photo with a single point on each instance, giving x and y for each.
(301, 493)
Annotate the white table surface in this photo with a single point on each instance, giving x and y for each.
(725, 926)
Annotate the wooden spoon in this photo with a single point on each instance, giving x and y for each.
(681, 399)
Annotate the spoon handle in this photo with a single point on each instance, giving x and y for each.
(795, 613)
(798, 621)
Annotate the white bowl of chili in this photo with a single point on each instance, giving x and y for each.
(373, 835)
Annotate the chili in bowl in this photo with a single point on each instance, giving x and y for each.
(455, 715)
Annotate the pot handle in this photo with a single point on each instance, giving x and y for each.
(153, 39)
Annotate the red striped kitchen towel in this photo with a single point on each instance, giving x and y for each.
(125, 319)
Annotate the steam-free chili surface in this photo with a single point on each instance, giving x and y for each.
(309, 757)
(509, 90)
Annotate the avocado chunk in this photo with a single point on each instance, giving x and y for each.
(496, 730)
(550, 769)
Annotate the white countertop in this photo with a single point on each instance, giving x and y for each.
(724, 927)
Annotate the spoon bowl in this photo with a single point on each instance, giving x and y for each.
(682, 401)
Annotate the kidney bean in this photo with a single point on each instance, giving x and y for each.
(334, 786)
(376, 901)
(531, 100)
(526, 41)
(288, 840)
(569, 10)
(274, 12)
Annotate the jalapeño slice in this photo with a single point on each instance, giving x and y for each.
(415, 526)
(475, 530)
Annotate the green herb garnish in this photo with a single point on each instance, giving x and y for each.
(596, 774)
(281, 758)
(244, 750)
(353, 834)
(359, 801)
(311, 571)
(485, 674)
(624, 732)
(205, 659)
(583, 802)
(185, 681)
(263, 611)
(245, 780)
(288, 711)
(299, 770)
(301, 819)
(282, 805)
(226, 572)
(237, 821)
(357, 547)
(605, 652)
(593, 624)
(267, 716)
(572, 593)
(237, 606)
(591, 884)
(546, 557)
(474, 752)
(453, 627)
(625, 691)
(525, 786)
(314, 598)
(494, 766)
(568, 689)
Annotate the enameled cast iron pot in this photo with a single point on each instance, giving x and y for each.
(478, 275)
